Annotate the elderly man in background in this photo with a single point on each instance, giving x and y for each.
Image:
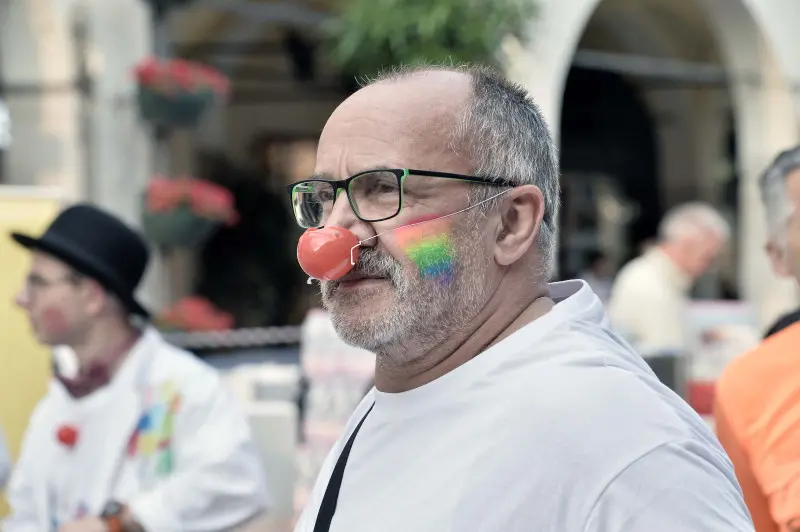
(502, 403)
(648, 298)
(757, 410)
(778, 184)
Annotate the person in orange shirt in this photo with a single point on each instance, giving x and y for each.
(757, 403)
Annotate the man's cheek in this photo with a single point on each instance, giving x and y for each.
(53, 322)
(429, 249)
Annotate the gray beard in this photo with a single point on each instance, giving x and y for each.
(417, 314)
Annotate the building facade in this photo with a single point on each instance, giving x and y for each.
(703, 92)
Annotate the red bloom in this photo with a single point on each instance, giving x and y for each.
(182, 73)
(67, 435)
(194, 313)
(148, 71)
(206, 199)
(171, 76)
(212, 201)
(164, 194)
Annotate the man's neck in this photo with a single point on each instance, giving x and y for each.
(107, 344)
(506, 312)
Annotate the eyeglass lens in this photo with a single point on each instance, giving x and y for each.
(373, 196)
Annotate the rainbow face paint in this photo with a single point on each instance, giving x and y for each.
(430, 247)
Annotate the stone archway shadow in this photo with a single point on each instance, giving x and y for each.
(765, 114)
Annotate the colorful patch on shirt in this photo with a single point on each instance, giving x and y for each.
(154, 432)
(430, 247)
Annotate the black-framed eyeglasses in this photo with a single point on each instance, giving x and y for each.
(36, 283)
(374, 195)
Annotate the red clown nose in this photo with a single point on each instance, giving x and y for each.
(325, 254)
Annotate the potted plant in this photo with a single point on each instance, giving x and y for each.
(368, 35)
(194, 314)
(173, 93)
(184, 212)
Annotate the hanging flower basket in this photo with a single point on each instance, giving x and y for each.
(174, 93)
(194, 314)
(185, 212)
(173, 111)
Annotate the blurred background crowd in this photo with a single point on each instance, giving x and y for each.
(188, 118)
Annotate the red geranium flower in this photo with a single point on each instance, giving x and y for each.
(204, 198)
(194, 313)
(164, 194)
(171, 76)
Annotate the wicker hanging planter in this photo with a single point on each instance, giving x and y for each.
(185, 212)
(180, 110)
(179, 228)
(173, 93)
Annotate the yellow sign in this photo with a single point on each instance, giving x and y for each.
(25, 364)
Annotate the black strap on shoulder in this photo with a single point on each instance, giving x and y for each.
(328, 506)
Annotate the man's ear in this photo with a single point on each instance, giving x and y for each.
(519, 221)
(94, 295)
(777, 257)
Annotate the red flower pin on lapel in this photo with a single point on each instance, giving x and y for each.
(67, 435)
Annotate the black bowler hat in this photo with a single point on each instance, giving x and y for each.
(99, 246)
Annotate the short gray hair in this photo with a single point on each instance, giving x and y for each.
(688, 218)
(505, 136)
(777, 205)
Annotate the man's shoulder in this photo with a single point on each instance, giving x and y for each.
(575, 427)
(637, 278)
(783, 322)
(597, 401)
(683, 474)
(604, 419)
(635, 269)
(747, 379)
(773, 357)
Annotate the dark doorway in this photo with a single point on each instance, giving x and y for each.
(606, 129)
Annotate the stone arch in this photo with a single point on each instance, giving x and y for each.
(757, 53)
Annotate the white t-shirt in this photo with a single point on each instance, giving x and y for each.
(558, 428)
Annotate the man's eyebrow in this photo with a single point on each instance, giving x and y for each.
(322, 175)
(376, 168)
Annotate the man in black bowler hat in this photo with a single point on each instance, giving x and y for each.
(143, 436)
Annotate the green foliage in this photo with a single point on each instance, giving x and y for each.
(370, 35)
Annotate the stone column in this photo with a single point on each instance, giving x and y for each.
(122, 149)
(118, 37)
(38, 67)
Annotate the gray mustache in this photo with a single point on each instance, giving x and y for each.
(376, 263)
